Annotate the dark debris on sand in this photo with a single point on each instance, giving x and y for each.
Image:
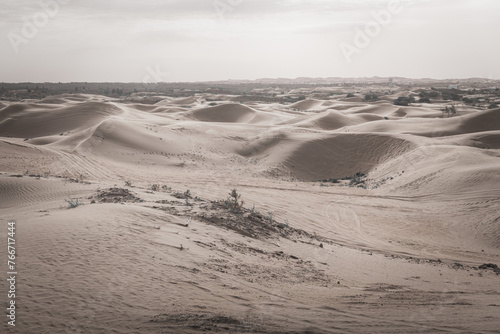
(204, 322)
(115, 195)
(491, 266)
(252, 224)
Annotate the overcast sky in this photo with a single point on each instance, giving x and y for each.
(200, 40)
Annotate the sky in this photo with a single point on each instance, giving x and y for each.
(206, 40)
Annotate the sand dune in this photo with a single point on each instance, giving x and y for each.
(488, 140)
(332, 120)
(381, 109)
(117, 136)
(421, 112)
(261, 144)
(187, 100)
(157, 247)
(39, 120)
(351, 99)
(55, 100)
(480, 121)
(266, 118)
(343, 155)
(488, 120)
(347, 106)
(227, 113)
(146, 107)
(307, 104)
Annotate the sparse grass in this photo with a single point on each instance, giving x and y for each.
(155, 187)
(357, 180)
(233, 201)
(73, 203)
(187, 193)
(329, 181)
(270, 216)
(128, 183)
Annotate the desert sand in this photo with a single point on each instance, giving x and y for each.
(408, 246)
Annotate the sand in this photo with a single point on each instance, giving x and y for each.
(400, 248)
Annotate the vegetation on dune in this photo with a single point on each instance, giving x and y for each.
(371, 97)
(356, 180)
(234, 202)
(73, 203)
(404, 100)
(449, 111)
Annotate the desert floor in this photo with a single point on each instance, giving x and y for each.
(410, 245)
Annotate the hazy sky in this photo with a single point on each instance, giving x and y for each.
(199, 40)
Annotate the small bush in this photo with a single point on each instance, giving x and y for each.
(270, 216)
(73, 203)
(358, 179)
(350, 95)
(493, 106)
(155, 187)
(233, 201)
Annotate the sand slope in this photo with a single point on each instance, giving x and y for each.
(42, 120)
(307, 104)
(342, 155)
(234, 113)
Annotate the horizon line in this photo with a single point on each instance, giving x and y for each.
(253, 80)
